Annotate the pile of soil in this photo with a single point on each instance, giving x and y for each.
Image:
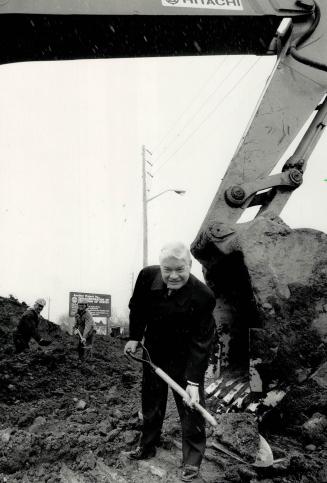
(63, 421)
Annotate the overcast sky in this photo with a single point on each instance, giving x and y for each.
(71, 136)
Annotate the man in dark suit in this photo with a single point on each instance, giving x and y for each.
(172, 310)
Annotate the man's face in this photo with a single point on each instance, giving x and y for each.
(38, 308)
(175, 273)
(81, 307)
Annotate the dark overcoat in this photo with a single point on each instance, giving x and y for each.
(178, 329)
(27, 328)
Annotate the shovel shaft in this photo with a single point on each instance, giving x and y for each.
(79, 333)
(220, 447)
(207, 416)
(81, 338)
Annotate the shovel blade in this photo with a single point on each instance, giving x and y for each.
(264, 457)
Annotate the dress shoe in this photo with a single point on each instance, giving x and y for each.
(190, 473)
(141, 453)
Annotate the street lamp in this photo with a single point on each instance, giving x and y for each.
(145, 220)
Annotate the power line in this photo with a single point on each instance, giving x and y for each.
(189, 105)
(208, 116)
(203, 104)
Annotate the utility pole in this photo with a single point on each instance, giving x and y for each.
(49, 308)
(146, 200)
(145, 207)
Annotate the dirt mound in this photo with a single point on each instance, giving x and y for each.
(53, 405)
(62, 421)
(10, 311)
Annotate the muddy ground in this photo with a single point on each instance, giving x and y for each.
(66, 421)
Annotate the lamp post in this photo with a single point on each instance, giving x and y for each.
(145, 220)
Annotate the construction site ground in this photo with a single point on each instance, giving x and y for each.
(66, 421)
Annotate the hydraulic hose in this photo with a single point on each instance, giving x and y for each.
(302, 38)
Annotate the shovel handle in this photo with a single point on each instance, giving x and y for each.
(80, 336)
(173, 384)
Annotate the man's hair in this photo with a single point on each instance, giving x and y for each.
(175, 250)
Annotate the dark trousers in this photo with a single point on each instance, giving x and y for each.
(154, 401)
(86, 351)
(20, 343)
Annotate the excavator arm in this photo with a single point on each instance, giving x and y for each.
(294, 30)
(41, 30)
(295, 91)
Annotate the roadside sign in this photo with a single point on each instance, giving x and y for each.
(98, 304)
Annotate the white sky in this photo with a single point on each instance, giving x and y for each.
(71, 135)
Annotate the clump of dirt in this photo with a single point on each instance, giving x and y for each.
(291, 346)
(240, 433)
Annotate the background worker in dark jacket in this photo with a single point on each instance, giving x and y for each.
(85, 325)
(172, 310)
(27, 328)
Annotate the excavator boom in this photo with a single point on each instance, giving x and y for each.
(295, 90)
(75, 29)
(280, 8)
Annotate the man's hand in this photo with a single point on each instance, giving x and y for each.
(193, 393)
(131, 346)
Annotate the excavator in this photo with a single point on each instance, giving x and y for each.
(244, 262)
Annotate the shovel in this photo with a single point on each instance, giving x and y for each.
(264, 457)
(77, 331)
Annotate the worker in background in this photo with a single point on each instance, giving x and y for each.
(84, 327)
(172, 310)
(27, 328)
